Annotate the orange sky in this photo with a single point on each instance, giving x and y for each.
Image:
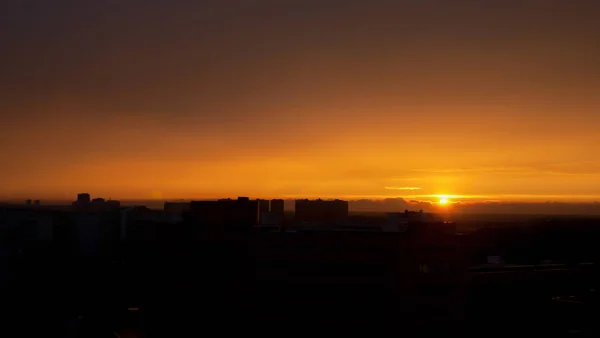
(348, 99)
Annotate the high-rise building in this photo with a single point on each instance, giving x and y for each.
(263, 208)
(277, 206)
(263, 205)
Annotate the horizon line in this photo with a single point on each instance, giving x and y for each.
(424, 198)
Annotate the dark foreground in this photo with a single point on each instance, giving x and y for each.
(274, 284)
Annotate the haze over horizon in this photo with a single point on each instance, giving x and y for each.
(477, 101)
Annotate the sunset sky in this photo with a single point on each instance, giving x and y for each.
(478, 100)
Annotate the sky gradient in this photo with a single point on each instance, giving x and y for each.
(480, 100)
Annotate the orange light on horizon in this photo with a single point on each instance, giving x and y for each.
(444, 201)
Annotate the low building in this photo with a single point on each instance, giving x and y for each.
(84, 204)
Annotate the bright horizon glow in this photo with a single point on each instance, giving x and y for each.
(444, 201)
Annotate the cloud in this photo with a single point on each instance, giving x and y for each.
(389, 205)
(470, 207)
(402, 188)
(476, 207)
(547, 208)
(408, 178)
(590, 168)
(475, 170)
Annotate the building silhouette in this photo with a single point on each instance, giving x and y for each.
(83, 198)
(113, 204)
(84, 203)
(277, 206)
(321, 210)
(263, 209)
(412, 266)
(227, 214)
(270, 220)
(176, 207)
(263, 205)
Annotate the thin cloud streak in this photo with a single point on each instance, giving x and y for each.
(511, 197)
(471, 198)
(551, 170)
(403, 188)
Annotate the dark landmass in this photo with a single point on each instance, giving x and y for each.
(143, 273)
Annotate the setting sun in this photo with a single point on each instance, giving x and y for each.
(444, 201)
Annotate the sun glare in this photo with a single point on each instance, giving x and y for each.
(444, 201)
